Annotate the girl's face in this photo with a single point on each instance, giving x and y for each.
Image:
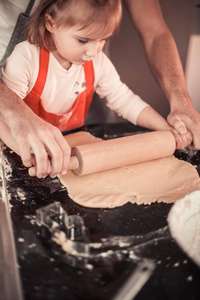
(74, 45)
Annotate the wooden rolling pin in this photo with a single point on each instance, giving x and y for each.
(115, 153)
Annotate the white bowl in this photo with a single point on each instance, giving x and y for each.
(184, 224)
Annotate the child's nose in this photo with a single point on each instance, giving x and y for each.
(92, 51)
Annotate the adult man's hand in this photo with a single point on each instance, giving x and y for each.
(185, 118)
(166, 66)
(35, 140)
(44, 142)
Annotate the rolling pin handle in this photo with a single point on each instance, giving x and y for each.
(73, 163)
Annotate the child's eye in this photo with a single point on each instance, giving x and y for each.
(83, 41)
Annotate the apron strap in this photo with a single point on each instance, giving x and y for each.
(18, 35)
(89, 78)
(42, 75)
(29, 8)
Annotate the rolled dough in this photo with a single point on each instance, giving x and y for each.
(161, 180)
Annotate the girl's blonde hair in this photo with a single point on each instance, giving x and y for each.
(67, 13)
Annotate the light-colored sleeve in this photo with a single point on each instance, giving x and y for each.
(18, 69)
(118, 96)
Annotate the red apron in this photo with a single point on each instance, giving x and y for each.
(76, 116)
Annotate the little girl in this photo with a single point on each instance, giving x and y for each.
(61, 63)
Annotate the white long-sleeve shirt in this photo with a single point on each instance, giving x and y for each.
(62, 86)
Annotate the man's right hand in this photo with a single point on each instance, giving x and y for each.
(36, 141)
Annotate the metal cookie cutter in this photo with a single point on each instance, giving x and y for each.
(67, 231)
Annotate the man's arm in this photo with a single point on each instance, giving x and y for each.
(32, 135)
(165, 64)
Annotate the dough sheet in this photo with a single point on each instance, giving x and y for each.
(161, 180)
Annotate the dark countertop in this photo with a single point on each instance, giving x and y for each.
(46, 274)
